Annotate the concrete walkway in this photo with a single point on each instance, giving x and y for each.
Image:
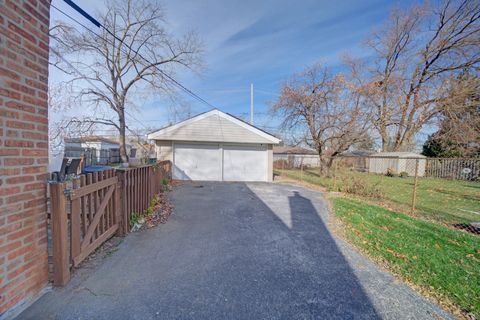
(236, 251)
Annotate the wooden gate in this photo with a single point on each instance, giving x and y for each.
(89, 210)
(92, 206)
(95, 204)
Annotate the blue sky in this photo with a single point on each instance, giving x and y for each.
(259, 42)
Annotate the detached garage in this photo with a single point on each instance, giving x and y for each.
(216, 146)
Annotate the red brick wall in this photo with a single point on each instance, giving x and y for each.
(23, 149)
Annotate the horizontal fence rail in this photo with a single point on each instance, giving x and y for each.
(90, 209)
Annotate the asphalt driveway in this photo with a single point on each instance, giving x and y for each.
(236, 251)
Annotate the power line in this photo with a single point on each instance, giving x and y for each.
(178, 84)
(89, 81)
(79, 72)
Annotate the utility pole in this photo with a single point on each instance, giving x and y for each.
(251, 104)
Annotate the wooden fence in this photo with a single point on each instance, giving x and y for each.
(139, 186)
(89, 210)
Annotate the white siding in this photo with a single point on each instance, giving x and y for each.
(213, 128)
(398, 165)
(164, 150)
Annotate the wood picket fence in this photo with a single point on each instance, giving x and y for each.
(90, 209)
(139, 186)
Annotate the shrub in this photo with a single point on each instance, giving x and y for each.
(281, 164)
(391, 172)
(403, 174)
(134, 218)
(361, 187)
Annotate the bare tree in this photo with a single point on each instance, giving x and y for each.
(417, 53)
(459, 120)
(327, 108)
(134, 53)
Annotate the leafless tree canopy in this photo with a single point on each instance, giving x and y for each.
(417, 53)
(330, 108)
(136, 54)
(459, 117)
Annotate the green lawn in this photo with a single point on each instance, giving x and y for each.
(441, 260)
(446, 201)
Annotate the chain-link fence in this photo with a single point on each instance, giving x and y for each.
(446, 191)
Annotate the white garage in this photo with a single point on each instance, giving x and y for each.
(216, 146)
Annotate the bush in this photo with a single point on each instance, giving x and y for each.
(134, 219)
(361, 187)
(281, 164)
(403, 174)
(391, 172)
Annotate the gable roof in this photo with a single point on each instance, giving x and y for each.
(214, 126)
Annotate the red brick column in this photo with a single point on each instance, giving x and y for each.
(23, 149)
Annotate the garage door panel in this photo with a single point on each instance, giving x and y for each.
(197, 162)
(244, 163)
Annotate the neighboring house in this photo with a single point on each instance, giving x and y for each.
(295, 156)
(98, 149)
(140, 149)
(398, 162)
(216, 146)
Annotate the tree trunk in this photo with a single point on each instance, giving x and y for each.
(325, 164)
(384, 136)
(123, 145)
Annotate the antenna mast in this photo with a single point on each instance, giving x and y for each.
(251, 104)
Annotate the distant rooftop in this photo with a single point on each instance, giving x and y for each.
(293, 150)
(398, 155)
(91, 139)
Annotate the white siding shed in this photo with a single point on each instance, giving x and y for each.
(398, 162)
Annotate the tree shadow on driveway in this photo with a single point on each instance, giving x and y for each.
(229, 251)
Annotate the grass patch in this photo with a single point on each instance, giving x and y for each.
(443, 261)
(446, 201)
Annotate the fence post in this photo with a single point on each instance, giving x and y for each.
(61, 263)
(334, 175)
(414, 195)
(75, 224)
(121, 206)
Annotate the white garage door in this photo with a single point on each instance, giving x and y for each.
(197, 162)
(244, 163)
(205, 162)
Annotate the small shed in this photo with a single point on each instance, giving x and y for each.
(398, 162)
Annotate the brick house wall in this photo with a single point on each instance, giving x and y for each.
(23, 149)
